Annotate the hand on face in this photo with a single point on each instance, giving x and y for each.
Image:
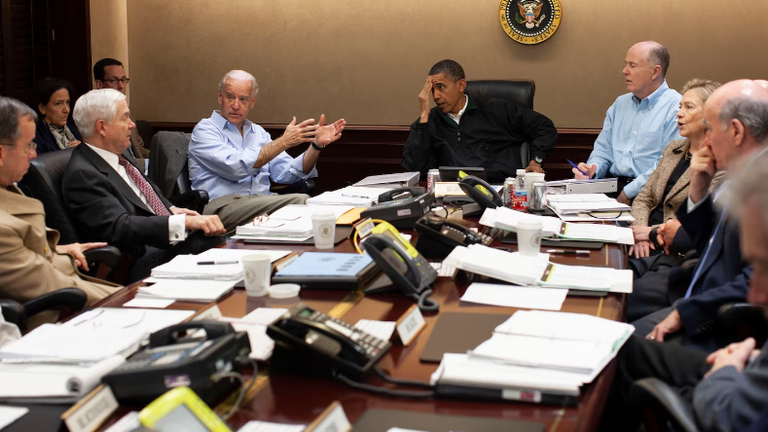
(703, 168)
(424, 96)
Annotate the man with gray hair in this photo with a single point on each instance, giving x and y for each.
(111, 200)
(234, 159)
(639, 124)
(31, 261)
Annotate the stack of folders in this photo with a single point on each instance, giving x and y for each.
(525, 270)
(507, 219)
(535, 356)
(391, 181)
(356, 196)
(62, 363)
(292, 222)
(586, 207)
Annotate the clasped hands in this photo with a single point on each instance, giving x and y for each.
(307, 131)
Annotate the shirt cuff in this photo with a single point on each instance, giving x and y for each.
(176, 231)
(631, 191)
(297, 168)
(692, 206)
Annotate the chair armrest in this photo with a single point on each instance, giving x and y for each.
(302, 186)
(109, 256)
(193, 200)
(70, 298)
(657, 395)
(13, 312)
(742, 320)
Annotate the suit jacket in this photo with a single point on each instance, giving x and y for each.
(45, 140)
(724, 276)
(139, 149)
(29, 264)
(653, 191)
(105, 208)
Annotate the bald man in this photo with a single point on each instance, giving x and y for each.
(638, 125)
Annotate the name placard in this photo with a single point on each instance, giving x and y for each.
(88, 414)
(410, 324)
(444, 189)
(333, 419)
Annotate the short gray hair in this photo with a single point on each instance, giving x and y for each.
(240, 75)
(752, 112)
(11, 111)
(747, 185)
(93, 106)
(658, 54)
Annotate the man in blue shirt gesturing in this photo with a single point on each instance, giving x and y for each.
(638, 125)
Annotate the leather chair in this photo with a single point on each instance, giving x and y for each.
(518, 92)
(169, 169)
(43, 182)
(67, 301)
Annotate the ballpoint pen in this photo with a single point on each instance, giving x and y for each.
(216, 262)
(354, 196)
(568, 252)
(577, 168)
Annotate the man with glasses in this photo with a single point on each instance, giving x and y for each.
(31, 262)
(109, 73)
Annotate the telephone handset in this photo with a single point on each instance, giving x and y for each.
(401, 193)
(309, 336)
(480, 191)
(402, 263)
(439, 236)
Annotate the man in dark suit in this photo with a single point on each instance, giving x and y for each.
(721, 275)
(110, 199)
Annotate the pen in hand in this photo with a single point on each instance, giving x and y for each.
(577, 167)
(217, 262)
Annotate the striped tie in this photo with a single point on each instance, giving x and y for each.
(152, 199)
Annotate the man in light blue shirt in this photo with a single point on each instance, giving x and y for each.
(234, 159)
(638, 125)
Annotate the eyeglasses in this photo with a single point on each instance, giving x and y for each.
(32, 146)
(114, 81)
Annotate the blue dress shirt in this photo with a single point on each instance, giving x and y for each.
(221, 160)
(634, 135)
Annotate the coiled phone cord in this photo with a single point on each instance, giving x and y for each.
(413, 394)
(424, 302)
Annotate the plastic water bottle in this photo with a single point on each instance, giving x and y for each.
(521, 192)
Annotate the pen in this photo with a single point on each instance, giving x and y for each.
(216, 262)
(568, 252)
(354, 196)
(577, 168)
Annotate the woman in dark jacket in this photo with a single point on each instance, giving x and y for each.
(54, 130)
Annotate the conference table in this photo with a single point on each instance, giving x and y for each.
(298, 399)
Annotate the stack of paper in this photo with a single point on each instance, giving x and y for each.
(292, 222)
(391, 181)
(199, 290)
(588, 207)
(524, 270)
(507, 219)
(357, 196)
(226, 267)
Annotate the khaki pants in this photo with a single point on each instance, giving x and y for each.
(236, 210)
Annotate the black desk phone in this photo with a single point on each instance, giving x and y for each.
(401, 193)
(408, 270)
(403, 212)
(480, 191)
(169, 362)
(439, 236)
(314, 342)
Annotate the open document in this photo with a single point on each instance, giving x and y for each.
(356, 196)
(292, 222)
(213, 264)
(589, 208)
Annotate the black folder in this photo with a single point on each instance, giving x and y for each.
(381, 420)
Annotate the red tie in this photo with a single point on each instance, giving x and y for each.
(143, 185)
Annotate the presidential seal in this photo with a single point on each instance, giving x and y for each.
(530, 21)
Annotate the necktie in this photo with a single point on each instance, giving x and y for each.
(703, 260)
(152, 199)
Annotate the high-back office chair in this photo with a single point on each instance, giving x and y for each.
(43, 182)
(67, 301)
(518, 92)
(169, 169)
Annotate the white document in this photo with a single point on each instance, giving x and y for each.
(606, 233)
(260, 426)
(510, 267)
(198, 290)
(566, 325)
(187, 267)
(149, 303)
(515, 296)
(128, 423)
(261, 344)
(506, 218)
(263, 316)
(290, 222)
(394, 180)
(444, 270)
(357, 196)
(580, 198)
(380, 329)
(588, 278)
(48, 381)
(9, 415)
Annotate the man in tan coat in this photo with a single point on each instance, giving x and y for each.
(31, 262)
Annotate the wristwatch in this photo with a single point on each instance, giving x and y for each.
(317, 147)
(538, 159)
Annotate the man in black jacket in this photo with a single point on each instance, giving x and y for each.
(462, 131)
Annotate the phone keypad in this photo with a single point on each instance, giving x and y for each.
(371, 344)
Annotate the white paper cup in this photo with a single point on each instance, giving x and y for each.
(531, 177)
(324, 228)
(257, 269)
(529, 237)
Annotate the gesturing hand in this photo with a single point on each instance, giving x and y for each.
(296, 134)
(424, 96)
(327, 134)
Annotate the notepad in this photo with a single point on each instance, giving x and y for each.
(186, 266)
(199, 290)
(515, 296)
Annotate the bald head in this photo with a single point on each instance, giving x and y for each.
(737, 120)
(645, 67)
(762, 83)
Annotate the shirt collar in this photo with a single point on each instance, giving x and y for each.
(222, 123)
(469, 103)
(457, 117)
(109, 157)
(654, 97)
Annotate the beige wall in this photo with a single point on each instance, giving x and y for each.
(366, 60)
(109, 31)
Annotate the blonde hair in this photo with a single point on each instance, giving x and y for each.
(705, 87)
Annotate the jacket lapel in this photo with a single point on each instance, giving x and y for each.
(684, 179)
(117, 181)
